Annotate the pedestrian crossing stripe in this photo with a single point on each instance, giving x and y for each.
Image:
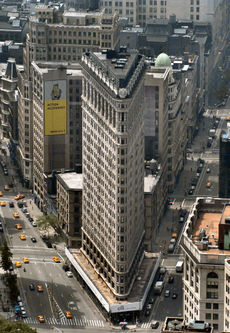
(146, 325)
(66, 322)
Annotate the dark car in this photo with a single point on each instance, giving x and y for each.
(174, 295)
(170, 279)
(49, 245)
(31, 219)
(1, 229)
(151, 300)
(147, 313)
(11, 204)
(5, 172)
(32, 286)
(33, 239)
(154, 324)
(66, 267)
(199, 170)
(190, 192)
(161, 277)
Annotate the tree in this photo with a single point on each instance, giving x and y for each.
(12, 284)
(15, 327)
(6, 257)
(47, 221)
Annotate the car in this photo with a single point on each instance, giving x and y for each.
(6, 187)
(24, 209)
(1, 194)
(32, 286)
(151, 300)
(18, 226)
(41, 318)
(149, 306)
(49, 245)
(66, 267)
(147, 313)
(5, 172)
(69, 274)
(170, 202)
(18, 264)
(167, 293)
(2, 203)
(31, 219)
(161, 277)
(27, 215)
(208, 170)
(208, 184)
(1, 229)
(154, 324)
(56, 259)
(11, 204)
(68, 315)
(170, 279)
(26, 260)
(40, 288)
(22, 237)
(34, 224)
(16, 215)
(23, 314)
(19, 196)
(190, 192)
(181, 219)
(162, 270)
(174, 295)
(33, 239)
(198, 174)
(199, 170)
(22, 308)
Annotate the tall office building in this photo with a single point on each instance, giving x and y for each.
(224, 166)
(113, 166)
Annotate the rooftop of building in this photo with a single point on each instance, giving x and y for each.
(43, 67)
(205, 223)
(119, 70)
(177, 324)
(72, 181)
(152, 175)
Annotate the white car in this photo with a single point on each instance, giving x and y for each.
(69, 274)
(34, 224)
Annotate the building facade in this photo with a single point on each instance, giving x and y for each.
(113, 166)
(205, 245)
(224, 166)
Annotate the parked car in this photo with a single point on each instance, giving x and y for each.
(154, 324)
(170, 279)
(167, 293)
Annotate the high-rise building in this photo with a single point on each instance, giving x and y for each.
(224, 166)
(113, 166)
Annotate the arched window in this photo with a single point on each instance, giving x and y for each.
(212, 275)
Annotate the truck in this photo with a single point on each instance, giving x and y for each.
(159, 285)
(179, 266)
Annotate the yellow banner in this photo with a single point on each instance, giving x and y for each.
(55, 117)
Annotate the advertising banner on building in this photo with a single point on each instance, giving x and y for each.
(55, 107)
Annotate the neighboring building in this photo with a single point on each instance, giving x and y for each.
(206, 246)
(9, 102)
(113, 166)
(59, 37)
(177, 324)
(125, 9)
(224, 166)
(9, 49)
(156, 117)
(155, 201)
(56, 123)
(82, 4)
(69, 207)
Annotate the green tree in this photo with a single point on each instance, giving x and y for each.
(47, 221)
(6, 257)
(7, 326)
(12, 284)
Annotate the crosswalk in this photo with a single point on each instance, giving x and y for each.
(67, 322)
(146, 325)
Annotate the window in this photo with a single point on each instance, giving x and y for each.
(208, 316)
(212, 275)
(215, 306)
(208, 305)
(215, 316)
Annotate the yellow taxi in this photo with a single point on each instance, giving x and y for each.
(26, 260)
(39, 288)
(18, 226)
(6, 187)
(19, 196)
(18, 264)
(41, 318)
(22, 237)
(68, 315)
(56, 259)
(1, 194)
(2, 203)
(16, 215)
(209, 184)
